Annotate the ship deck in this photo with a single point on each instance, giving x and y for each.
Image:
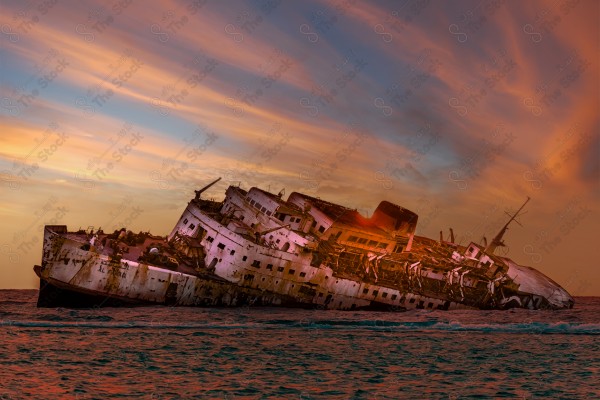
(135, 247)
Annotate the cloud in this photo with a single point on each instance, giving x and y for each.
(388, 102)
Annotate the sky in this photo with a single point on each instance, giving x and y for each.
(113, 112)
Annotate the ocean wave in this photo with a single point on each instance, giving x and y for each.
(436, 325)
(565, 328)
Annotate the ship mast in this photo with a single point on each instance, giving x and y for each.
(497, 241)
(199, 192)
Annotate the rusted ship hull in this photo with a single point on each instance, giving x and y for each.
(254, 248)
(57, 294)
(74, 277)
(74, 274)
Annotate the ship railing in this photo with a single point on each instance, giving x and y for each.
(56, 228)
(73, 237)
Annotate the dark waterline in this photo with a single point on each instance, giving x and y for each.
(165, 353)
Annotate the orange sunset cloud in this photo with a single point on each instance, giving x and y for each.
(455, 111)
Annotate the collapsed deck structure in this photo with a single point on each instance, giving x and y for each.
(255, 248)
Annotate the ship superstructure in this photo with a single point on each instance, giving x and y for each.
(256, 248)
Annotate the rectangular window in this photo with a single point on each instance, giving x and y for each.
(373, 243)
(263, 209)
(192, 226)
(375, 293)
(270, 267)
(280, 269)
(256, 264)
(321, 229)
(252, 202)
(210, 239)
(365, 291)
(302, 274)
(291, 271)
(314, 224)
(297, 219)
(221, 246)
(382, 245)
(362, 240)
(394, 296)
(185, 221)
(384, 295)
(411, 301)
(352, 239)
(232, 252)
(269, 213)
(244, 258)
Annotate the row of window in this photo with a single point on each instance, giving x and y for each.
(192, 226)
(384, 294)
(321, 227)
(402, 300)
(282, 217)
(303, 289)
(221, 246)
(370, 243)
(256, 264)
(260, 207)
(312, 292)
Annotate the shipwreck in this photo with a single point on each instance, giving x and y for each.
(255, 248)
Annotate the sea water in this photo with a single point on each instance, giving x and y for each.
(254, 353)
